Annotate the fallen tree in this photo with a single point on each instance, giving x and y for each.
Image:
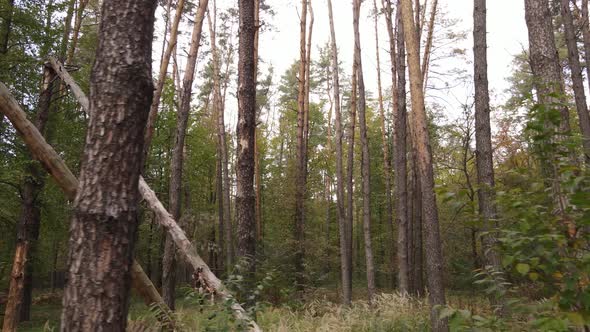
(68, 182)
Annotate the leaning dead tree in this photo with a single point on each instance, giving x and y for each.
(69, 184)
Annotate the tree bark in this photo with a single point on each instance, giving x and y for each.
(301, 153)
(384, 141)
(257, 170)
(365, 158)
(245, 195)
(428, 46)
(19, 294)
(104, 225)
(434, 261)
(151, 124)
(549, 84)
(67, 29)
(350, 169)
(577, 79)
(169, 261)
(483, 136)
(345, 259)
(586, 36)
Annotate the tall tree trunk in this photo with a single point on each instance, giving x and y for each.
(384, 141)
(483, 136)
(6, 26)
(428, 46)
(245, 195)
(19, 294)
(345, 258)
(151, 124)
(365, 158)
(104, 225)
(577, 79)
(414, 231)
(350, 168)
(169, 264)
(67, 27)
(222, 141)
(301, 167)
(257, 171)
(548, 83)
(586, 36)
(77, 24)
(434, 261)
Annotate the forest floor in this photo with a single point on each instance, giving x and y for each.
(391, 312)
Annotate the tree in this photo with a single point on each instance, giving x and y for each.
(576, 72)
(301, 151)
(365, 158)
(419, 125)
(245, 195)
(18, 306)
(168, 264)
(483, 135)
(345, 257)
(548, 83)
(104, 225)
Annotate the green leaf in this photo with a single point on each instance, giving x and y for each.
(533, 276)
(523, 268)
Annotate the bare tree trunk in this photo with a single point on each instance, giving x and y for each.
(483, 137)
(301, 153)
(257, 171)
(67, 27)
(548, 83)
(169, 265)
(222, 141)
(415, 261)
(428, 46)
(245, 195)
(19, 300)
(6, 26)
(384, 141)
(577, 79)
(434, 261)
(365, 158)
(586, 36)
(77, 24)
(151, 124)
(104, 226)
(350, 169)
(345, 258)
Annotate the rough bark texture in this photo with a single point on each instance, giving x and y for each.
(434, 258)
(549, 84)
(483, 136)
(19, 294)
(6, 26)
(345, 259)
(577, 79)
(175, 192)
(257, 170)
(151, 124)
(301, 164)
(384, 140)
(365, 161)
(104, 225)
(55, 166)
(429, 39)
(585, 27)
(245, 195)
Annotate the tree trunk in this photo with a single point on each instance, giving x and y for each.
(549, 84)
(19, 294)
(104, 225)
(76, 33)
(245, 195)
(345, 258)
(6, 27)
(151, 124)
(428, 46)
(300, 172)
(350, 169)
(434, 261)
(257, 171)
(365, 158)
(577, 79)
(67, 27)
(169, 265)
(483, 137)
(586, 36)
(222, 141)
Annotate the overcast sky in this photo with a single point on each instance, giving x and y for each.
(507, 36)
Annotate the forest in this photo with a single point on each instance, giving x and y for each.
(157, 173)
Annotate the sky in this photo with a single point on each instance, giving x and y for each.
(507, 36)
